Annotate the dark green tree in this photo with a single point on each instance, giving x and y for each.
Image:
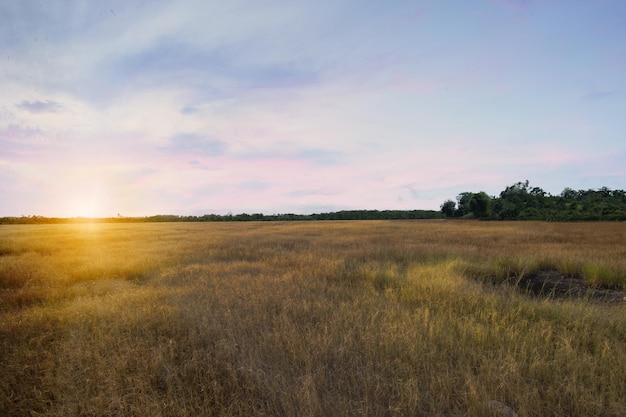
(463, 204)
(448, 208)
(480, 205)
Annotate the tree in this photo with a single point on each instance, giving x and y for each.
(513, 200)
(448, 208)
(480, 205)
(463, 200)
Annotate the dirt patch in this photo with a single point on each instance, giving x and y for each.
(552, 284)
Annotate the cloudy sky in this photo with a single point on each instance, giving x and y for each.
(195, 107)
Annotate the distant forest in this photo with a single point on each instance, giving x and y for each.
(243, 217)
(520, 201)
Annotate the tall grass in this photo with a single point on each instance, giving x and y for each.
(306, 319)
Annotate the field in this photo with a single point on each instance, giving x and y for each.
(376, 318)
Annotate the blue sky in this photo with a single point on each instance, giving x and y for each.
(194, 107)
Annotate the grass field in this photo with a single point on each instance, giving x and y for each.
(378, 318)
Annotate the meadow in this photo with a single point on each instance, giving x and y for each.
(358, 318)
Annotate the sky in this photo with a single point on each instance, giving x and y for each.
(137, 108)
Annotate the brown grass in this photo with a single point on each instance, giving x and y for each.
(307, 319)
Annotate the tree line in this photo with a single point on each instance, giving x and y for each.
(243, 217)
(520, 201)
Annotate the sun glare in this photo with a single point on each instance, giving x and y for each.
(85, 197)
(83, 206)
(82, 209)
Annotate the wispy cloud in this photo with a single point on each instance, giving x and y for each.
(18, 132)
(189, 110)
(601, 94)
(194, 144)
(518, 4)
(37, 106)
(19, 142)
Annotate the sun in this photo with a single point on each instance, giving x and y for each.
(85, 196)
(81, 208)
(86, 205)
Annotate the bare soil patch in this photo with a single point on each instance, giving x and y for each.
(553, 284)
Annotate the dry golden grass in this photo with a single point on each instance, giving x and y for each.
(307, 319)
